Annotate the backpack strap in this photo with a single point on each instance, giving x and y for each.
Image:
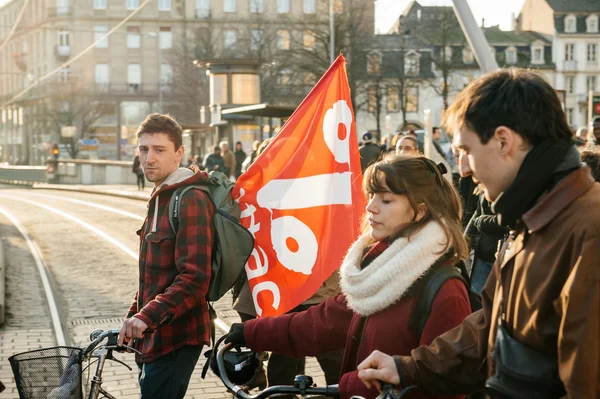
(175, 204)
(435, 278)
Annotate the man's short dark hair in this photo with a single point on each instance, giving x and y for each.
(411, 138)
(159, 123)
(217, 148)
(518, 99)
(596, 119)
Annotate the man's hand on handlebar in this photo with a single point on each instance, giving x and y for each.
(132, 328)
(376, 368)
(236, 335)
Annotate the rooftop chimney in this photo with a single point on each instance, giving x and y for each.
(483, 22)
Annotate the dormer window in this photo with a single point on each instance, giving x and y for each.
(411, 63)
(592, 24)
(467, 56)
(511, 55)
(537, 53)
(570, 24)
(374, 64)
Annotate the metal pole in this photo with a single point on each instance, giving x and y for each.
(118, 130)
(331, 32)
(160, 86)
(475, 37)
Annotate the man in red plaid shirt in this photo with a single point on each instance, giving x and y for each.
(174, 269)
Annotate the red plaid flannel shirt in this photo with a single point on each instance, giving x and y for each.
(174, 273)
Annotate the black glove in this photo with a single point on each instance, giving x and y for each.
(236, 335)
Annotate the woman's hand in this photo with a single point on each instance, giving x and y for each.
(378, 367)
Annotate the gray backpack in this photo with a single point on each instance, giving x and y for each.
(233, 242)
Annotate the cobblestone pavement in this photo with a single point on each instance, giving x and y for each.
(94, 281)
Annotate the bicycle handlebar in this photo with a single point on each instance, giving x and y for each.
(238, 392)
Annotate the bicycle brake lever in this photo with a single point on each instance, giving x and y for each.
(123, 363)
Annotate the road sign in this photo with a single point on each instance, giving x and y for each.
(68, 131)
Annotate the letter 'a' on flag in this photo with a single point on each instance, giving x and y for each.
(302, 198)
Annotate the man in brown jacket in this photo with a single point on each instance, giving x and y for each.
(542, 298)
(228, 157)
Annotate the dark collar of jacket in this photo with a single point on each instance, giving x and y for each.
(545, 164)
(567, 190)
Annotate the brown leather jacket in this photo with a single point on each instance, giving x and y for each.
(547, 277)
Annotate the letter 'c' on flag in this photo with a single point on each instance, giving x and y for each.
(302, 198)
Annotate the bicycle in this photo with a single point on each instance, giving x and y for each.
(303, 384)
(56, 373)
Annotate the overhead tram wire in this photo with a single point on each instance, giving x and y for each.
(78, 56)
(14, 27)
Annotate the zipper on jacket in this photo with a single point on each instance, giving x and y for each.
(361, 339)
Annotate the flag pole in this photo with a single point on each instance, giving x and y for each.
(331, 33)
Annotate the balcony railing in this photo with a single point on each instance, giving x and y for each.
(570, 65)
(202, 13)
(142, 89)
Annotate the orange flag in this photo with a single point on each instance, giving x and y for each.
(302, 198)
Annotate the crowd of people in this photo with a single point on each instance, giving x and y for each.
(484, 284)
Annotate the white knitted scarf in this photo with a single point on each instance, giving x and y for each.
(387, 278)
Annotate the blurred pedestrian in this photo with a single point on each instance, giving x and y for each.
(138, 171)
(229, 158)
(369, 151)
(594, 138)
(240, 156)
(581, 138)
(407, 145)
(214, 161)
(591, 157)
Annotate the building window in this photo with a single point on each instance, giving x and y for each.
(63, 74)
(283, 6)
(447, 54)
(374, 64)
(411, 65)
(165, 37)
(372, 99)
(134, 78)
(219, 89)
(257, 6)
(245, 88)
(570, 84)
(283, 40)
(284, 77)
(537, 55)
(511, 55)
(591, 52)
(393, 99)
(309, 40)
(202, 9)
(569, 52)
(412, 99)
(570, 24)
(100, 31)
(229, 5)
(62, 7)
(164, 5)
(229, 39)
(467, 56)
(570, 116)
(590, 84)
(63, 38)
(166, 74)
(102, 77)
(310, 6)
(99, 4)
(592, 24)
(132, 4)
(133, 37)
(256, 39)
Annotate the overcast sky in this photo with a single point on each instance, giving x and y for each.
(495, 12)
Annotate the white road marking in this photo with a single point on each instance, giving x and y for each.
(39, 261)
(93, 205)
(218, 322)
